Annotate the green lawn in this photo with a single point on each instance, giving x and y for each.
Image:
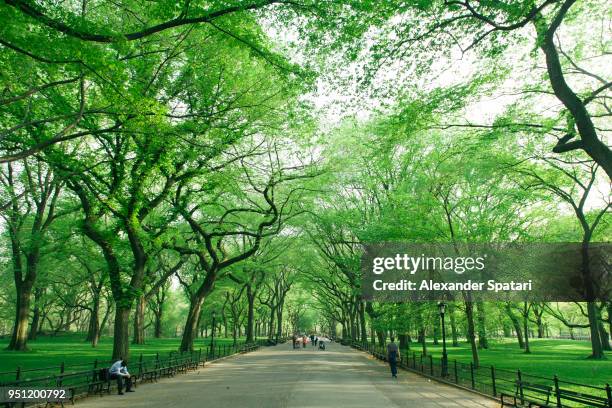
(71, 349)
(565, 358)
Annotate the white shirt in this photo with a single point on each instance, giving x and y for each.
(117, 369)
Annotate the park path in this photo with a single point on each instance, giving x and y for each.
(279, 377)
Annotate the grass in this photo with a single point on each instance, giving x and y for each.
(568, 359)
(49, 352)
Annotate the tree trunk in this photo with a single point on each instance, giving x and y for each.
(191, 325)
(596, 341)
(453, 324)
(372, 334)
(592, 310)
(471, 335)
(540, 325)
(121, 336)
(234, 333)
(350, 324)
(604, 337)
(423, 339)
(279, 320)
(271, 324)
(362, 322)
(482, 328)
(517, 326)
(34, 325)
(436, 330)
(250, 314)
(107, 314)
(139, 317)
(159, 314)
(403, 341)
(93, 331)
(526, 327)
(19, 337)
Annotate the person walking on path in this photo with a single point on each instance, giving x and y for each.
(294, 340)
(393, 354)
(304, 341)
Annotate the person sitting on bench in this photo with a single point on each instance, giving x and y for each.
(119, 372)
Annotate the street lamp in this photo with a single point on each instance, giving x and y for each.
(212, 338)
(442, 309)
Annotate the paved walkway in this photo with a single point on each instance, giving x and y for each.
(279, 377)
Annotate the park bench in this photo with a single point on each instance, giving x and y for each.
(586, 399)
(193, 364)
(73, 382)
(164, 370)
(100, 382)
(169, 368)
(190, 363)
(527, 395)
(146, 374)
(182, 366)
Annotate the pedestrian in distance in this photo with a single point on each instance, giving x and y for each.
(304, 341)
(294, 340)
(393, 354)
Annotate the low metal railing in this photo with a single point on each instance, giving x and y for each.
(492, 381)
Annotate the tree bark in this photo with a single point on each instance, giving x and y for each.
(35, 324)
(592, 310)
(121, 335)
(482, 327)
(250, 314)
(191, 325)
(139, 317)
(362, 322)
(526, 326)
(436, 330)
(159, 314)
(403, 341)
(93, 332)
(423, 339)
(19, 337)
(279, 320)
(604, 337)
(516, 324)
(471, 332)
(453, 324)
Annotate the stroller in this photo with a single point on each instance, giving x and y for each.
(321, 345)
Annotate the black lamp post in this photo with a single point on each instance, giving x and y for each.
(212, 338)
(442, 308)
